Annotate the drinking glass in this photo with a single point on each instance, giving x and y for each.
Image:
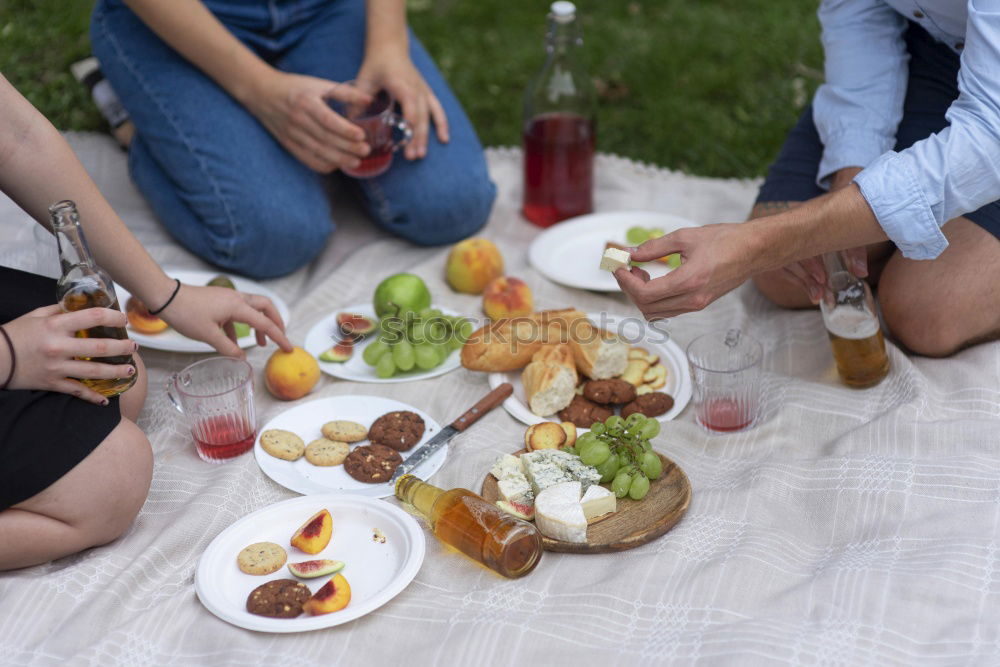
(725, 368)
(216, 396)
(385, 130)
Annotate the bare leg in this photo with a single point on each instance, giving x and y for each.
(93, 503)
(785, 292)
(936, 308)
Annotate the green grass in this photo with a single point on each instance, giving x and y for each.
(708, 87)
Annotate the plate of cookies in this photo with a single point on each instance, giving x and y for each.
(624, 367)
(348, 444)
(309, 563)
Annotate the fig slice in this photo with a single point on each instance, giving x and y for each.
(339, 353)
(354, 326)
(310, 569)
(520, 510)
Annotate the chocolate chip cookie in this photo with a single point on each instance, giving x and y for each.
(400, 430)
(607, 392)
(281, 598)
(584, 412)
(651, 405)
(372, 463)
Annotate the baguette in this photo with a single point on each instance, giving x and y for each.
(598, 355)
(507, 345)
(550, 379)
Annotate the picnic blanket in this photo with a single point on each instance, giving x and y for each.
(848, 527)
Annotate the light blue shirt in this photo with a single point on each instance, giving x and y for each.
(956, 171)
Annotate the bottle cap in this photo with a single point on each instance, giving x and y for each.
(563, 11)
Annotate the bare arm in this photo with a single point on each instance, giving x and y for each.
(718, 258)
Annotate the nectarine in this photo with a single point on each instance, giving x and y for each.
(141, 320)
(291, 375)
(333, 596)
(507, 297)
(313, 536)
(472, 264)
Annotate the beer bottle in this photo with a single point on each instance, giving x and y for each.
(83, 284)
(851, 321)
(478, 528)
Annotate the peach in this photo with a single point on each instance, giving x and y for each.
(291, 375)
(507, 297)
(472, 264)
(333, 596)
(313, 536)
(140, 319)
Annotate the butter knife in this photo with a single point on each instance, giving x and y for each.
(488, 402)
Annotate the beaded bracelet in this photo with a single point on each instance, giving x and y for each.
(13, 359)
(169, 301)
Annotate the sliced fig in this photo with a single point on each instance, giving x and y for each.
(520, 510)
(354, 326)
(339, 353)
(310, 569)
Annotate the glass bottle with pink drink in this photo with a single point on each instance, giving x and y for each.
(559, 127)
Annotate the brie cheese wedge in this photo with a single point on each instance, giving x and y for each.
(559, 514)
(598, 501)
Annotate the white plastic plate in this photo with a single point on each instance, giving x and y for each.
(305, 421)
(376, 571)
(569, 252)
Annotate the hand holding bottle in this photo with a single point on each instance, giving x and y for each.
(46, 347)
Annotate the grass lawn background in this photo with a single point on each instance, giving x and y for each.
(709, 87)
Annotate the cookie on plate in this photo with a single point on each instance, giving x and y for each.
(372, 463)
(584, 412)
(282, 444)
(324, 452)
(281, 598)
(651, 405)
(344, 431)
(400, 430)
(613, 390)
(261, 558)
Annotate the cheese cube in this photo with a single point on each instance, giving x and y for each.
(543, 474)
(516, 490)
(598, 501)
(559, 514)
(614, 259)
(507, 466)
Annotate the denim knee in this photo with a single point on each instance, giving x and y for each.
(270, 240)
(454, 210)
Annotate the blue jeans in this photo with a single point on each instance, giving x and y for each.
(225, 188)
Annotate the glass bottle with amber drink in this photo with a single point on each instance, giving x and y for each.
(83, 284)
(851, 320)
(474, 526)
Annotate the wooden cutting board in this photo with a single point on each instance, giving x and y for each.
(636, 522)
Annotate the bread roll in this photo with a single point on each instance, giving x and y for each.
(550, 379)
(506, 345)
(598, 354)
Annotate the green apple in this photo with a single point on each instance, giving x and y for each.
(403, 292)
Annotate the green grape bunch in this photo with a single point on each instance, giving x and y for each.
(416, 341)
(619, 449)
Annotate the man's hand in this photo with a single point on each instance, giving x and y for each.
(293, 108)
(810, 273)
(715, 260)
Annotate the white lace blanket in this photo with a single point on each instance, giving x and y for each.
(848, 527)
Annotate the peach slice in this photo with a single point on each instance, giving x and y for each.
(333, 596)
(140, 319)
(313, 536)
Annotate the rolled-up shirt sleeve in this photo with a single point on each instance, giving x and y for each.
(915, 191)
(859, 107)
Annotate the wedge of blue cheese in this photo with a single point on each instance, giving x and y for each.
(512, 484)
(546, 467)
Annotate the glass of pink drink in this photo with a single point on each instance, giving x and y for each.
(385, 130)
(216, 397)
(725, 369)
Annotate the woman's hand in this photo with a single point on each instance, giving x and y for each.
(46, 347)
(396, 73)
(209, 313)
(293, 108)
(715, 259)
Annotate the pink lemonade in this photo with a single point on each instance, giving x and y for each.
(558, 168)
(725, 414)
(222, 438)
